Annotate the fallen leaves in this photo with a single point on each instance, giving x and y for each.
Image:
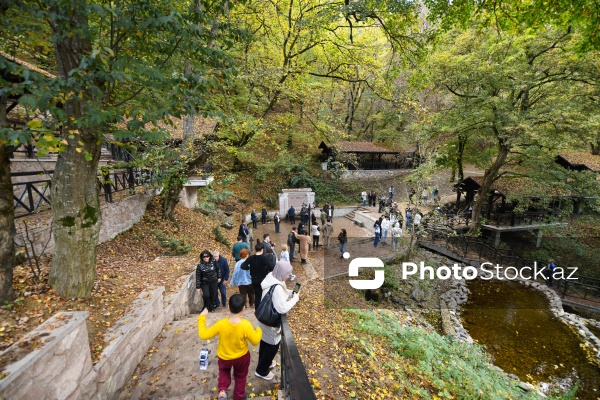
(124, 269)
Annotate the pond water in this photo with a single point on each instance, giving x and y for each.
(517, 328)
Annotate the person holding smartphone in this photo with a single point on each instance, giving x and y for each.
(283, 301)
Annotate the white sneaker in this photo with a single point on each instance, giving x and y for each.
(292, 277)
(269, 377)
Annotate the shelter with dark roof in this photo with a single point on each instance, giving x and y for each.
(506, 216)
(367, 156)
(579, 161)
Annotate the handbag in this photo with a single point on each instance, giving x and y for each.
(266, 312)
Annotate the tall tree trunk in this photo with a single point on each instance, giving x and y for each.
(76, 218)
(7, 215)
(488, 179)
(76, 214)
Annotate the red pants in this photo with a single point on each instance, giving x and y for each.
(240, 373)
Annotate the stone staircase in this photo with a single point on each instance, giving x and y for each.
(351, 215)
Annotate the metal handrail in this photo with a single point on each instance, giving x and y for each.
(294, 379)
(585, 287)
(34, 193)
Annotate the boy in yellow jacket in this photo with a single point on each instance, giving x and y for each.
(234, 334)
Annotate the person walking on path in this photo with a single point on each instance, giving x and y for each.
(285, 256)
(304, 215)
(243, 232)
(316, 234)
(323, 216)
(304, 243)
(411, 196)
(396, 233)
(291, 242)
(208, 275)
(222, 286)
(409, 221)
(259, 266)
(425, 196)
(283, 301)
(292, 215)
(391, 192)
(254, 218)
(363, 195)
(385, 227)
(235, 250)
(327, 233)
(234, 334)
(343, 239)
(269, 251)
(417, 221)
(242, 279)
(330, 211)
(377, 232)
(263, 216)
(277, 220)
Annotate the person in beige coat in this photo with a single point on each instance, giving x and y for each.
(327, 233)
(304, 243)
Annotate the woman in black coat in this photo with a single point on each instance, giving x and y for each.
(208, 275)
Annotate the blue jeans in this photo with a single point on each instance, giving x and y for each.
(342, 248)
(223, 290)
(292, 248)
(384, 233)
(364, 203)
(376, 242)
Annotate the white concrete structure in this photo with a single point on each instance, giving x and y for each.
(295, 197)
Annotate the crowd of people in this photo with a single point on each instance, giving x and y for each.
(258, 271)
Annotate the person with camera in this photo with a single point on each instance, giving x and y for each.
(283, 300)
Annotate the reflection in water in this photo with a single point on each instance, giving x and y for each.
(525, 339)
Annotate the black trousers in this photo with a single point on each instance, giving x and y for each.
(257, 294)
(266, 354)
(209, 293)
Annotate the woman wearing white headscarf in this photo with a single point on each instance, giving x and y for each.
(283, 301)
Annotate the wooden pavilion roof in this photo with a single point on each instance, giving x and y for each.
(580, 160)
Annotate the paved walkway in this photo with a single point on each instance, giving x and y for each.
(170, 368)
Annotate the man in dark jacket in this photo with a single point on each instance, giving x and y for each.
(291, 242)
(208, 276)
(292, 215)
(259, 266)
(224, 272)
(263, 216)
(253, 218)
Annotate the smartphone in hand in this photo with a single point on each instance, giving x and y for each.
(297, 288)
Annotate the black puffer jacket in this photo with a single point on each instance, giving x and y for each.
(207, 273)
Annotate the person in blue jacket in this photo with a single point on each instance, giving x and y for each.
(224, 272)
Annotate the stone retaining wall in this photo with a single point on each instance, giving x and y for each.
(60, 366)
(375, 174)
(117, 217)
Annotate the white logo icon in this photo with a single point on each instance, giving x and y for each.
(367, 262)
